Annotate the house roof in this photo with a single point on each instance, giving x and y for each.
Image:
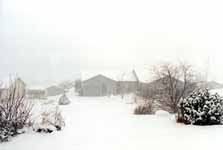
(114, 75)
(164, 79)
(99, 75)
(54, 87)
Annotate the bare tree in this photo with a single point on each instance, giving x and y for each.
(173, 82)
(15, 110)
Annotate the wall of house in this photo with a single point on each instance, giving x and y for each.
(4, 93)
(54, 90)
(125, 87)
(36, 94)
(98, 86)
(18, 87)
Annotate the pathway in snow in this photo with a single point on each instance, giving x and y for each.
(108, 124)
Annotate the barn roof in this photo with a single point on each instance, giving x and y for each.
(114, 75)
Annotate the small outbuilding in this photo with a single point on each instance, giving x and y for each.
(36, 94)
(54, 91)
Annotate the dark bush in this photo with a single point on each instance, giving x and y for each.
(7, 130)
(144, 109)
(201, 108)
(44, 130)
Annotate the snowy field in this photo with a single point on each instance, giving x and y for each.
(109, 124)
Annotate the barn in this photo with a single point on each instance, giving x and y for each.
(98, 85)
(106, 84)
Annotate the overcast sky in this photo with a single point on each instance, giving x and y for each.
(51, 40)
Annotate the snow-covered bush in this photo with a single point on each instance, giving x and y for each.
(146, 108)
(7, 130)
(64, 100)
(201, 108)
(49, 121)
(15, 113)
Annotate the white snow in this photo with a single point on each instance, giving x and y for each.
(162, 113)
(219, 91)
(108, 123)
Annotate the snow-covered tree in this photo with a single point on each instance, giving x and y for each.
(201, 108)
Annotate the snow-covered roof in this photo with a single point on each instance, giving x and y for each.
(114, 75)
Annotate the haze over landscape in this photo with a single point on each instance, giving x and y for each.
(48, 41)
(111, 74)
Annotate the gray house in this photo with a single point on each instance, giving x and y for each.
(36, 94)
(101, 85)
(129, 83)
(54, 90)
(98, 86)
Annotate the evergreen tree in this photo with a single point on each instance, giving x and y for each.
(201, 108)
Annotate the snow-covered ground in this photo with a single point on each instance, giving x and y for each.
(219, 91)
(108, 123)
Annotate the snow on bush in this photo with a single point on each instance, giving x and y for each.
(162, 113)
(15, 114)
(201, 108)
(64, 100)
(49, 121)
(6, 130)
(146, 108)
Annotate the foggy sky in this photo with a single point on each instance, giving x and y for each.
(51, 40)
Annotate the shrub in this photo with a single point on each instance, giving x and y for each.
(7, 130)
(49, 121)
(15, 113)
(201, 108)
(64, 100)
(146, 108)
